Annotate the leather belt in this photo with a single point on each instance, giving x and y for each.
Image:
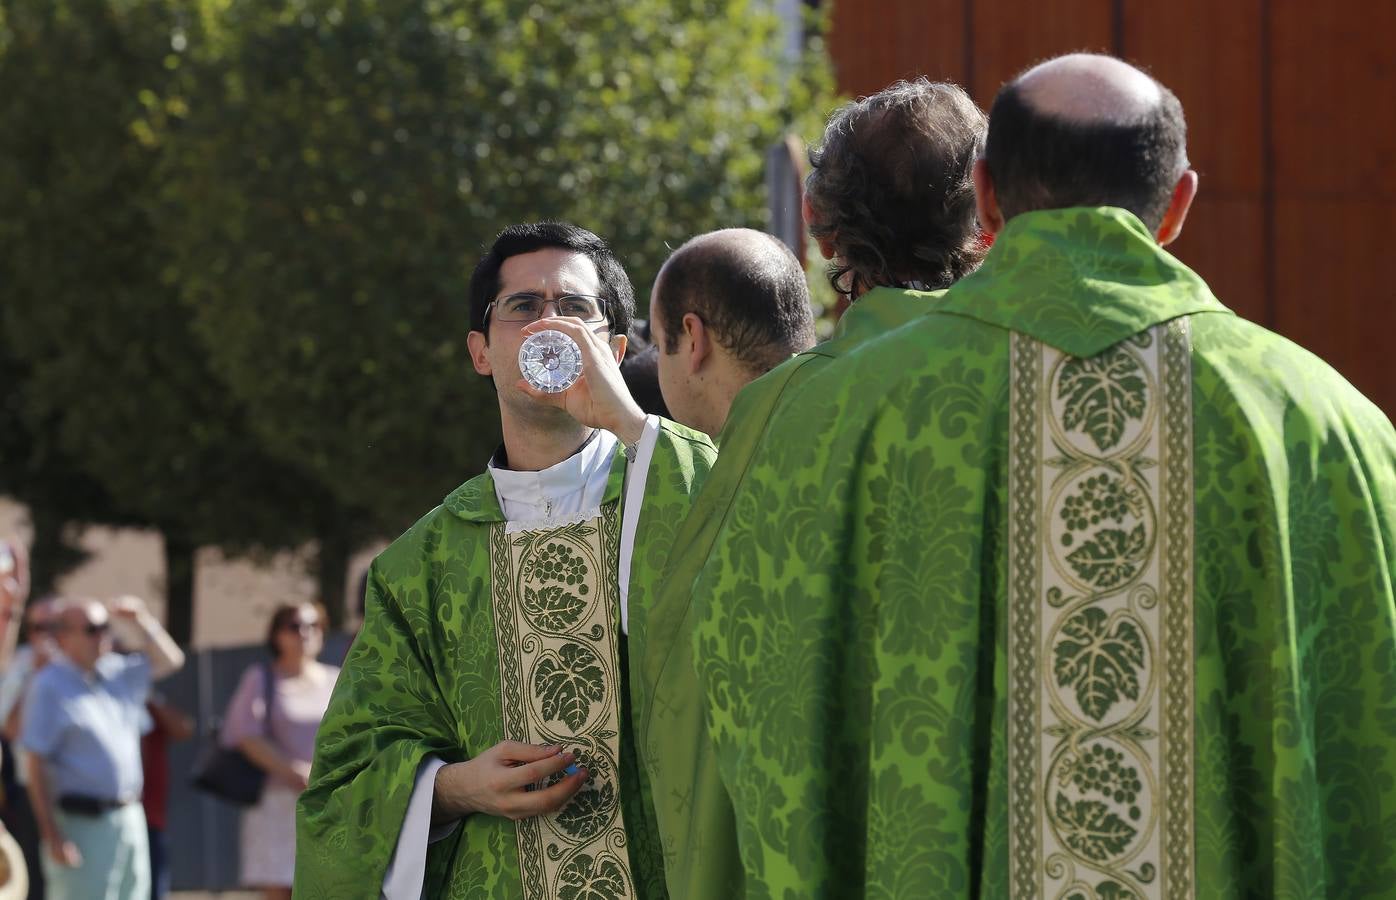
(83, 805)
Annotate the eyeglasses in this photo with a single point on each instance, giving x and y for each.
(95, 628)
(529, 307)
(302, 627)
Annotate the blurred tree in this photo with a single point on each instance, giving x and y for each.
(118, 399)
(59, 495)
(339, 166)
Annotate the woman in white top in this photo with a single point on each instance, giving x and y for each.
(283, 743)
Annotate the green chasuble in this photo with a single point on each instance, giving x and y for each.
(692, 811)
(478, 631)
(1077, 588)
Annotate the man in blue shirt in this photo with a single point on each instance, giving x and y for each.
(82, 725)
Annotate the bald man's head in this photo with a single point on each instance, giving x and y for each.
(746, 286)
(1086, 130)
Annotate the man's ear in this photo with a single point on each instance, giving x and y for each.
(477, 344)
(1183, 194)
(986, 200)
(696, 332)
(618, 344)
(825, 242)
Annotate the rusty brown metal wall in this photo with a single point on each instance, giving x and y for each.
(1291, 110)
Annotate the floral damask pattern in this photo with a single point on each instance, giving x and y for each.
(424, 678)
(868, 565)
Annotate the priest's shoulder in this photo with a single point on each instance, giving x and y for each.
(1262, 369)
(473, 501)
(689, 454)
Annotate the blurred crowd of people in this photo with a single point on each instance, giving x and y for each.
(86, 774)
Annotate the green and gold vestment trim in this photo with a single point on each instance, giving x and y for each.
(1100, 738)
(556, 601)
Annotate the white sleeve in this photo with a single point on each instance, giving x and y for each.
(407, 870)
(635, 477)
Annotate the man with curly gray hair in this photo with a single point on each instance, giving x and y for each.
(891, 202)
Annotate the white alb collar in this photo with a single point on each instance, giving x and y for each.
(575, 485)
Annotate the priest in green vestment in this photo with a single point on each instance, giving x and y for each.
(478, 743)
(890, 201)
(1079, 586)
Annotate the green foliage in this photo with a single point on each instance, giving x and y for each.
(348, 161)
(114, 382)
(235, 236)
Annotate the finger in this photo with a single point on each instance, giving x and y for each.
(518, 752)
(533, 772)
(554, 797)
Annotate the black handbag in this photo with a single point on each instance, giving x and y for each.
(227, 773)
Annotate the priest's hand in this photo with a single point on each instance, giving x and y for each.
(496, 783)
(599, 398)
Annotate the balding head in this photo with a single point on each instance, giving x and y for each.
(727, 307)
(1086, 88)
(1086, 130)
(746, 286)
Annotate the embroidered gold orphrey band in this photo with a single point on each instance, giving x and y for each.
(1100, 718)
(556, 611)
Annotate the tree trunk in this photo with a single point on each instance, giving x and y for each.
(332, 564)
(50, 556)
(179, 588)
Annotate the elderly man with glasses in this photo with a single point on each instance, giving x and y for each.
(479, 742)
(83, 718)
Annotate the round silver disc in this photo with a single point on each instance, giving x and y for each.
(550, 361)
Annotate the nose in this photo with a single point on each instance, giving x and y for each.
(546, 304)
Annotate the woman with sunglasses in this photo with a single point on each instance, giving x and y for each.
(280, 740)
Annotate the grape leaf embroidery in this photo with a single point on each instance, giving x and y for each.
(1110, 558)
(569, 683)
(1099, 662)
(591, 878)
(588, 812)
(1091, 829)
(553, 608)
(1102, 394)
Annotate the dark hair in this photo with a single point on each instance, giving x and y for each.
(747, 287)
(641, 373)
(892, 182)
(283, 614)
(517, 240)
(1042, 161)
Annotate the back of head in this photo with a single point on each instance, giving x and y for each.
(892, 187)
(1086, 130)
(749, 290)
(517, 240)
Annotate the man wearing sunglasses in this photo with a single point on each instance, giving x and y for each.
(82, 726)
(481, 718)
